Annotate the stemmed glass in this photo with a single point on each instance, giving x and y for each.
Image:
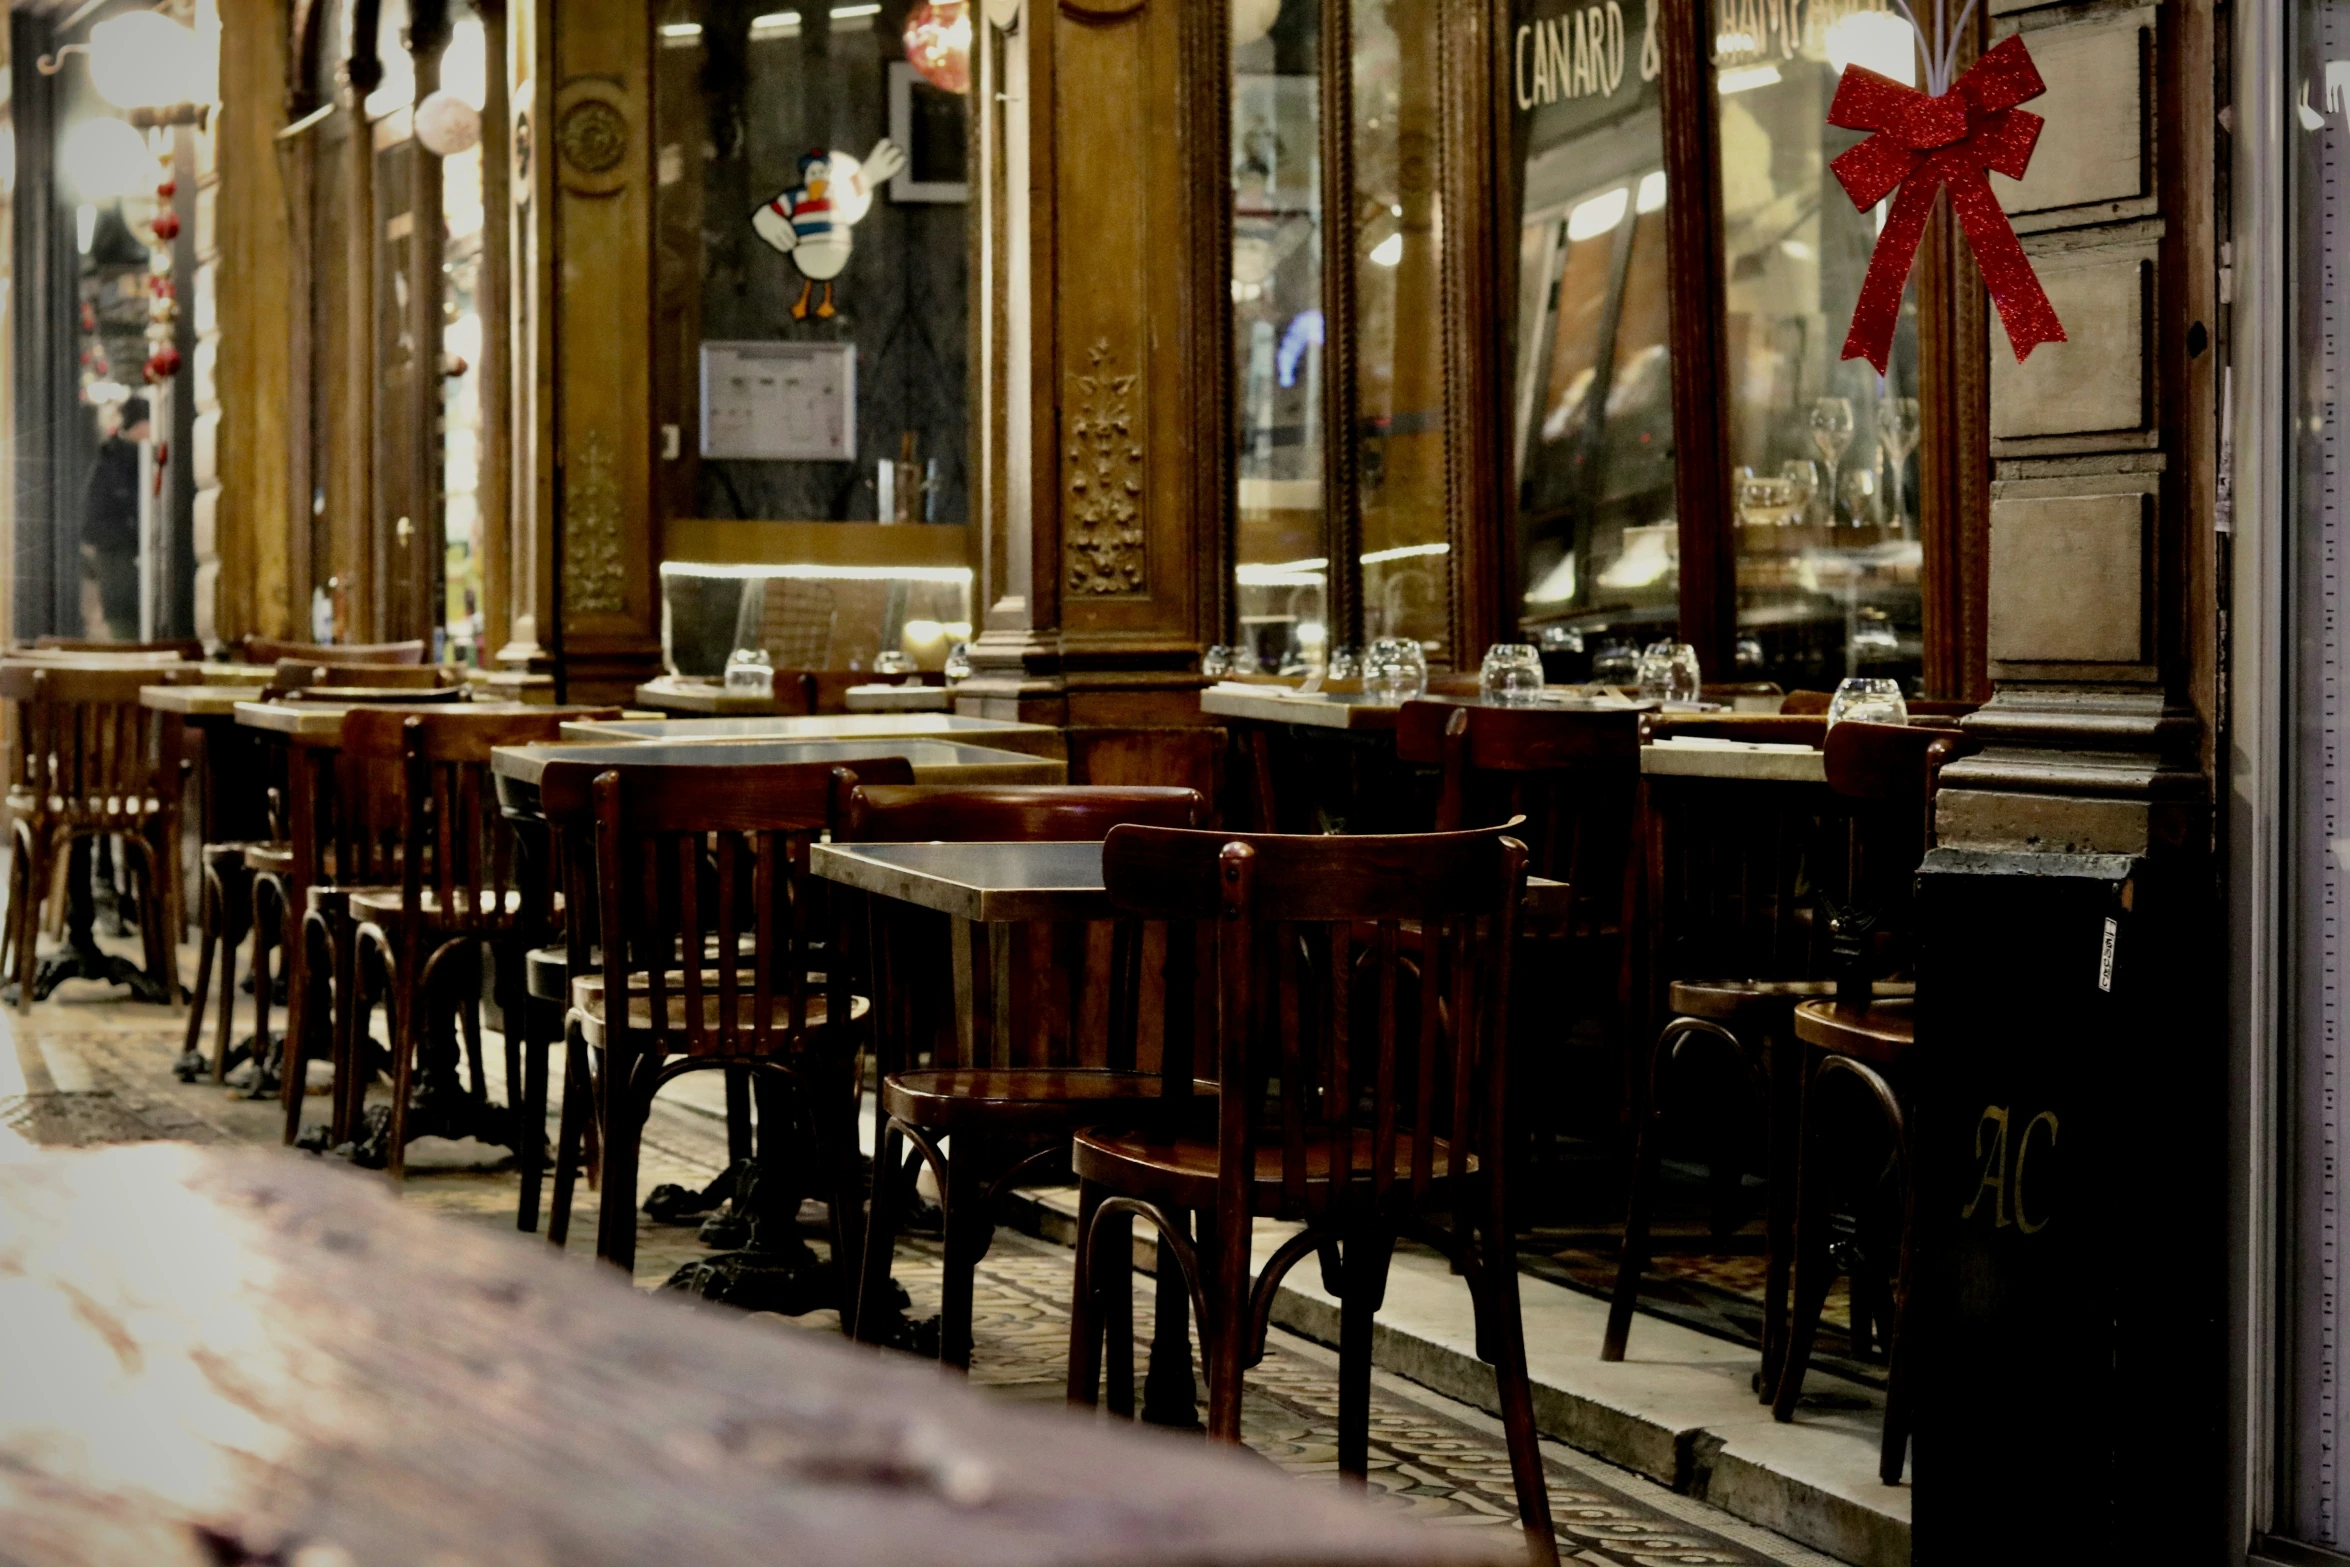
(1860, 495)
(1897, 437)
(1831, 432)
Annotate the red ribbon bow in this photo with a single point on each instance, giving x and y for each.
(1925, 142)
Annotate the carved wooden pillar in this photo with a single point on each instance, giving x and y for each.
(584, 558)
(1102, 462)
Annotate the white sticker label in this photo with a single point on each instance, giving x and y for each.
(2105, 958)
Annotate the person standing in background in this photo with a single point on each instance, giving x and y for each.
(110, 528)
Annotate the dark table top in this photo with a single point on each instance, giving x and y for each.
(1009, 882)
(220, 1355)
(521, 769)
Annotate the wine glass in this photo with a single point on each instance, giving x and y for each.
(1897, 437)
(1870, 699)
(1216, 662)
(1831, 432)
(1511, 675)
(1860, 495)
(1395, 671)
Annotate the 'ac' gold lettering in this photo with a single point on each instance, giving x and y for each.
(2023, 1146)
(1994, 1178)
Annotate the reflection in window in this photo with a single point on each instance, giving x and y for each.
(1281, 558)
(1599, 556)
(811, 198)
(1826, 535)
(1399, 325)
(464, 73)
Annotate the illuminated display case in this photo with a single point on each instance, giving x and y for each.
(812, 596)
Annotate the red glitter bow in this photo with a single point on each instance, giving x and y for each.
(1923, 143)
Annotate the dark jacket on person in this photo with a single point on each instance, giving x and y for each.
(110, 505)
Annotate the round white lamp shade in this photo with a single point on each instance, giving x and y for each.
(143, 60)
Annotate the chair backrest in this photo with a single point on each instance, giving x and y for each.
(474, 858)
(1069, 987)
(1336, 1038)
(1009, 813)
(1570, 774)
(1809, 703)
(1886, 775)
(268, 650)
(85, 747)
(1763, 728)
(690, 860)
(187, 649)
(294, 675)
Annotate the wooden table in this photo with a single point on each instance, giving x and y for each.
(220, 1356)
(518, 767)
(997, 734)
(673, 695)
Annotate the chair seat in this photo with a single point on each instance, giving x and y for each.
(1024, 1099)
(1881, 1034)
(384, 905)
(546, 973)
(276, 858)
(232, 854)
(1181, 1171)
(1733, 1001)
(587, 1005)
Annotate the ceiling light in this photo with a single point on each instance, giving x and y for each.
(1389, 251)
(1878, 40)
(1599, 215)
(143, 60)
(1652, 193)
(1745, 78)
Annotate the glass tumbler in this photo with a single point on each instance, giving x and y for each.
(1216, 662)
(750, 672)
(1511, 675)
(1669, 673)
(1394, 671)
(1870, 699)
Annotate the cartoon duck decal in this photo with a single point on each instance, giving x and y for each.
(811, 221)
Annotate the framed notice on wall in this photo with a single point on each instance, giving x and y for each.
(787, 402)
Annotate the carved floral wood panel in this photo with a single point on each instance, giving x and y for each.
(1103, 531)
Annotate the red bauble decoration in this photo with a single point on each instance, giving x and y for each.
(938, 43)
(163, 364)
(167, 190)
(166, 225)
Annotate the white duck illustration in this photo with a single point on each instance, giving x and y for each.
(810, 222)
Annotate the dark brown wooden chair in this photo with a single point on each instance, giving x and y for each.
(708, 924)
(1859, 1058)
(268, 650)
(90, 763)
(295, 676)
(1816, 897)
(461, 894)
(187, 649)
(1362, 1095)
(1006, 1122)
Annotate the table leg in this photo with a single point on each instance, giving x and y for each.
(1169, 1395)
(82, 958)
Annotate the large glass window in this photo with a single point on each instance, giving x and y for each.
(1281, 546)
(813, 265)
(1824, 487)
(1399, 325)
(1598, 547)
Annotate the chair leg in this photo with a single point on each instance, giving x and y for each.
(1363, 1272)
(569, 1133)
(881, 1233)
(26, 913)
(533, 1119)
(349, 1031)
(1224, 1337)
(1085, 1341)
(738, 1115)
(962, 1208)
(835, 1126)
(1501, 1328)
(235, 907)
(1633, 1262)
(311, 978)
(208, 931)
(1114, 1273)
(623, 1128)
(409, 1013)
(264, 971)
(1894, 1450)
(1814, 1269)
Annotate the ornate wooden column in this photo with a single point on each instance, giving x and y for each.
(1102, 462)
(583, 579)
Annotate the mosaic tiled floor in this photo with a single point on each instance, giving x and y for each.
(97, 1071)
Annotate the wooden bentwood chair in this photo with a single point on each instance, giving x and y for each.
(90, 763)
(709, 929)
(1363, 1089)
(1003, 1119)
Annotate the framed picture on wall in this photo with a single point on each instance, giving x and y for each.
(929, 123)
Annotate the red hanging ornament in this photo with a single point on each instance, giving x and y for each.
(1923, 143)
(163, 364)
(938, 43)
(167, 190)
(166, 225)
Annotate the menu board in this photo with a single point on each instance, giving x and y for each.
(784, 402)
